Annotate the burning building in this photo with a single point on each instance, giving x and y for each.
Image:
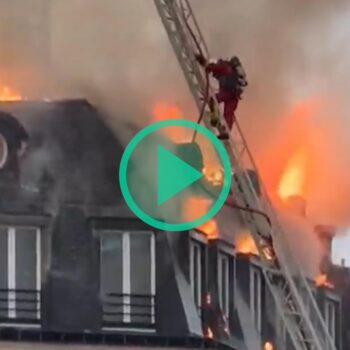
(76, 264)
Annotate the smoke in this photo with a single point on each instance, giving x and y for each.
(304, 243)
(117, 54)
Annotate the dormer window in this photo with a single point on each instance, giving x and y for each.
(196, 272)
(127, 272)
(255, 295)
(330, 317)
(224, 282)
(20, 275)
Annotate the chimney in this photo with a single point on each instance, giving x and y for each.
(326, 234)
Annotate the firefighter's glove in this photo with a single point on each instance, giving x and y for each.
(201, 60)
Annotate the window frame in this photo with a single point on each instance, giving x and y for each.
(126, 269)
(256, 314)
(196, 245)
(224, 304)
(11, 271)
(330, 314)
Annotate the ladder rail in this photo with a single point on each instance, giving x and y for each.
(176, 16)
(288, 251)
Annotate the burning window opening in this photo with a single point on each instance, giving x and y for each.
(209, 229)
(8, 94)
(214, 175)
(268, 346)
(245, 244)
(322, 281)
(209, 333)
(208, 298)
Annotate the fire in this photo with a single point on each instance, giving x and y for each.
(322, 281)
(208, 298)
(214, 175)
(268, 346)
(165, 111)
(209, 334)
(245, 244)
(196, 207)
(210, 229)
(294, 177)
(8, 94)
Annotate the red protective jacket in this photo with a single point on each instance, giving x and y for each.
(224, 73)
(227, 78)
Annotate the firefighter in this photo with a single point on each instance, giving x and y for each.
(231, 78)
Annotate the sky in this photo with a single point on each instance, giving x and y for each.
(341, 249)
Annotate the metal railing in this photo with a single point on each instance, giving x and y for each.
(20, 306)
(137, 310)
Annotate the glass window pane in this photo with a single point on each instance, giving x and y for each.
(26, 262)
(140, 267)
(111, 276)
(3, 272)
(140, 277)
(224, 284)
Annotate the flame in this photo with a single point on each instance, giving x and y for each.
(7, 94)
(208, 298)
(294, 178)
(214, 175)
(195, 207)
(165, 111)
(210, 229)
(245, 244)
(268, 346)
(209, 333)
(322, 281)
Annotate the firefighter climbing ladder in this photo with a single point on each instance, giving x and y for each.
(291, 291)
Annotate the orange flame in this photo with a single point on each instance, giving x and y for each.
(245, 244)
(165, 111)
(214, 175)
(209, 334)
(196, 207)
(322, 281)
(7, 94)
(208, 298)
(268, 346)
(210, 228)
(294, 178)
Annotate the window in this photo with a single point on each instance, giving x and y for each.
(223, 282)
(127, 264)
(20, 274)
(330, 318)
(196, 252)
(255, 296)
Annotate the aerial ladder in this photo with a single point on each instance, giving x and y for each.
(291, 290)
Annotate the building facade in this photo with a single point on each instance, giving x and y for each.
(75, 263)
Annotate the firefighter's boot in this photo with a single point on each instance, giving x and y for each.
(223, 135)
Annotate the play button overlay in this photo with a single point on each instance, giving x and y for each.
(169, 184)
(174, 175)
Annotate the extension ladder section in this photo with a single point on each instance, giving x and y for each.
(290, 289)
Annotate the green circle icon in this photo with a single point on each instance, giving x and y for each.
(156, 175)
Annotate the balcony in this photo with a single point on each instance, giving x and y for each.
(20, 306)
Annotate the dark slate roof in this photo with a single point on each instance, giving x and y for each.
(72, 152)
